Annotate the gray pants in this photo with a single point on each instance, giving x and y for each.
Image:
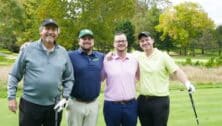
(81, 113)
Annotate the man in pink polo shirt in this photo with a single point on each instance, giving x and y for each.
(121, 73)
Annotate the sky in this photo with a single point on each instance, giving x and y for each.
(212, 7)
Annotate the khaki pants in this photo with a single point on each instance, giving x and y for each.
(82, 114)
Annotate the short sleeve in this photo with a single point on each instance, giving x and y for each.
(170, 64)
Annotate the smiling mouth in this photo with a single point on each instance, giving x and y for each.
(49, 36)
(87, 44)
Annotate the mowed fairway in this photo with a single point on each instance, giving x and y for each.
(208, 105)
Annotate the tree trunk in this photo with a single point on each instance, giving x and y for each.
(185, 51)
(193, 51)
(219, 52)
(202, 51)
(180, 52)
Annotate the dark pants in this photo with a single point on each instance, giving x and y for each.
(153, 111)
(37, 115)
(120, 113)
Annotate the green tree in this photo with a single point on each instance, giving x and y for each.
(219, 37)
(102, 16)
(146, 19)
(206, 41)
(184, 23)
(127, 28)
(36, 11)
(11, 23)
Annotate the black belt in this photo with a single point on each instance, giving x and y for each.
(84, 101)
(124, 101)
(147, 97)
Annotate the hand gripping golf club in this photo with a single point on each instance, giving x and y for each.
(193, 106)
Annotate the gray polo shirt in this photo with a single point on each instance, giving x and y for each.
(45, 75)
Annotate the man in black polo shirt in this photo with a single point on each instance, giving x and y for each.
(83, 107)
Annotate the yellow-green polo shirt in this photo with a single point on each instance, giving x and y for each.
(154, 72)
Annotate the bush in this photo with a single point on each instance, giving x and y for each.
(214, 62)
(210, 62)
(197, 63)
(188, 61)
(218, 61)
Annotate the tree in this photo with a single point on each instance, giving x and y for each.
(146, 19)
(219, 37)
(184, 23)
(127, 28)
(206, 41)
(72, 15)
(150, 3)
(11, 23)
(36, 11)
(102, 16)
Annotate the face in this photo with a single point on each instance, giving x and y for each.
(146, 43)
(49, 34)
(86, 43)
(120, 43)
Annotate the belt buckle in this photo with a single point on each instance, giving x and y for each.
(123, 102)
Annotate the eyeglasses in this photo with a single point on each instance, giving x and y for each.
(119, 41)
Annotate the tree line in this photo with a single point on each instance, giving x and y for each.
(185, 26)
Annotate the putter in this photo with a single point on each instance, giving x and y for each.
(194, 108)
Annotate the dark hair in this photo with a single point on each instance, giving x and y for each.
(144, 34)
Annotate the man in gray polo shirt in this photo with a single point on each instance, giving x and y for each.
(47, 70)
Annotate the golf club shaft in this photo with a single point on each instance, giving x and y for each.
(194, 108)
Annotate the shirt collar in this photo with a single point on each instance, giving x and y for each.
(41, 46)
(80, 51)
(116, 57)
(48, 50)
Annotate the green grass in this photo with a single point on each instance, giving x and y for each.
(5, 51)
(7, 57)
(208, 104)
(6, 61)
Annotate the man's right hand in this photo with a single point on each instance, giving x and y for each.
(108, 56)
(12, 105)
(60, 105)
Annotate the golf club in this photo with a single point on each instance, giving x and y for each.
(56, 113)
(193, 106)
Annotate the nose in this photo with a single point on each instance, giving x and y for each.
(50, 31)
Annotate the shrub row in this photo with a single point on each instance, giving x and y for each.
(211, 62)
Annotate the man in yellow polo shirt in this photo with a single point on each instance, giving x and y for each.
(155, 69)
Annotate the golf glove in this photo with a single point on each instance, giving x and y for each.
(60, 105)
(190, 87)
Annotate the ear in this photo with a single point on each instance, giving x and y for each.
(152, 41)
(58, 30)
(79, 41)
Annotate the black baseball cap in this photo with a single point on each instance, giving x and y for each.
(144, 33)
(49, 22)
